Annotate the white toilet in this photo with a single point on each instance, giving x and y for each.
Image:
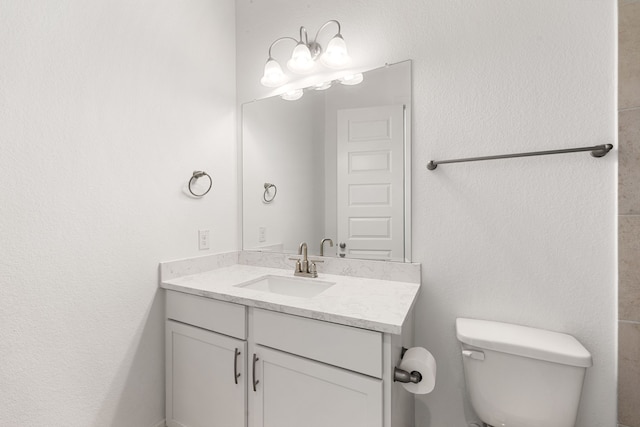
(522, 377)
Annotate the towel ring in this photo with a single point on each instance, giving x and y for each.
(195, 177)
(267, 186)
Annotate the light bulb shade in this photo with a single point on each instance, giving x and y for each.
(322, 86)
(335, 56)
(352, 79)
(292, 95)
(301, 61)
(273, 74)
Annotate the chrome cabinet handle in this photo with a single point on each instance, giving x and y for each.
(255, 381)
(236, 374)
(343, 245)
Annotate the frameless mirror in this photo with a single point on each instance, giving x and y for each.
(334, 164)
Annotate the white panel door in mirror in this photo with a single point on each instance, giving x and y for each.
(370, 182)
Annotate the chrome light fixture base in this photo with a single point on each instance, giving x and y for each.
(315, 49)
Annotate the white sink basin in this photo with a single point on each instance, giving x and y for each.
(292, 286)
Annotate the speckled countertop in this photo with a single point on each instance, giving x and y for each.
(379, 305)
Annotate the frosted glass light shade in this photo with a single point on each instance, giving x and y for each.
(335, 56)
(273, 74)
(301, 61)
(292, 95)
(352, 79)
(322, 86)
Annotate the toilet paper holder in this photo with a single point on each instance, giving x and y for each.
(402, 376)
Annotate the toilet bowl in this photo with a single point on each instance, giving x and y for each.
(518, 376)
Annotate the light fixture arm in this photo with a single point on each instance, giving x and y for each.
(314, 46)
(281, 39)
(325, 25)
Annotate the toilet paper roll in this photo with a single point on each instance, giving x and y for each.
(421, 360)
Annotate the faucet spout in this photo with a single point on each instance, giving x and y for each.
(322, 245)
(302, 250)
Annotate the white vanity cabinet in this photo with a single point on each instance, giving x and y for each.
(205, 371)
(316, 390)
(294, 371)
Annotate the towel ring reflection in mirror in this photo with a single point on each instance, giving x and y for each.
(194, 179)
(266, 197)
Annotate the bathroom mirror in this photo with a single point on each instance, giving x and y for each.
(334, 164)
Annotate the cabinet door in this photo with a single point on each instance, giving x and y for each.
(292, 391)
(202, 386)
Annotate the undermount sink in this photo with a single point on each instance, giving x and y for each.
(291, 286)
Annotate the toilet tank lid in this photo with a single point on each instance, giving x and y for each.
(523, 341)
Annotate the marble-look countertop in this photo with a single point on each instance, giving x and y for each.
(379, 305)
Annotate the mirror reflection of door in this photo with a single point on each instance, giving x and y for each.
(370, 181)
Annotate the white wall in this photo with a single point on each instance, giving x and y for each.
(529, 241)
(106, 108)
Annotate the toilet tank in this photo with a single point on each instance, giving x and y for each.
(518, 376)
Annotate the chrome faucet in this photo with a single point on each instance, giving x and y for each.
(302, 250)
(322, 245)
(304, 266)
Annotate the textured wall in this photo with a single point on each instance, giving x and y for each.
(106, 108)
(529, 241)
(629, 210)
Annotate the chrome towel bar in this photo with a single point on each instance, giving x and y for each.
(596, 151)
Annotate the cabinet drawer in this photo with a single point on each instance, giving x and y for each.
(218, 316)
(355, 349)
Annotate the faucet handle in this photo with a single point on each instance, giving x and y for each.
(312, 269)
(298, 264)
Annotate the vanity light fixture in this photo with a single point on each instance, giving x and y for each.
(304, 56)
(292, 95)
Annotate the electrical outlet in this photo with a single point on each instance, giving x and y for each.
(262, 234)
(203, 240)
